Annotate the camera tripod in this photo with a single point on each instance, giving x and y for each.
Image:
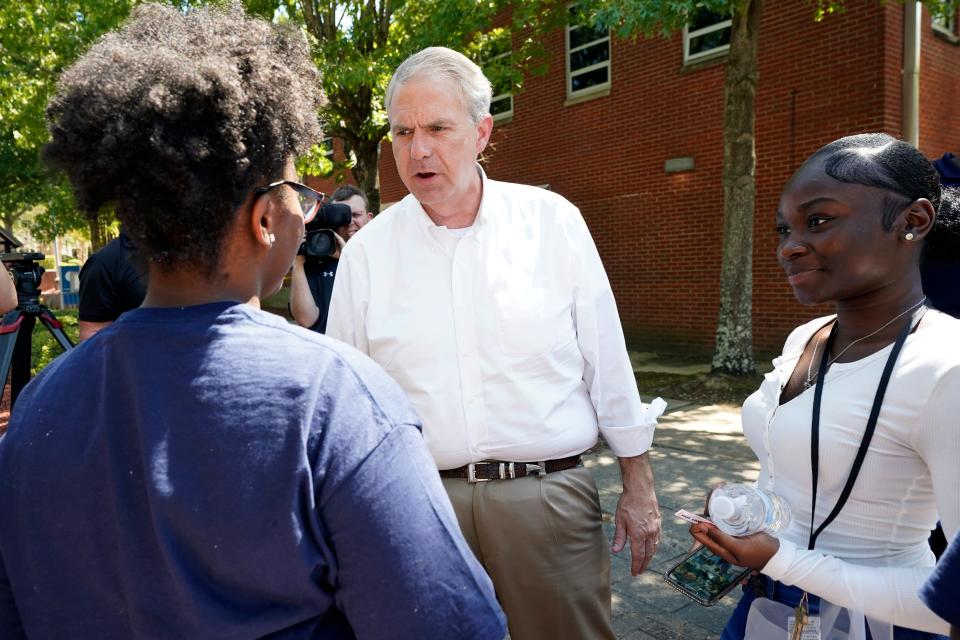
(16, 329)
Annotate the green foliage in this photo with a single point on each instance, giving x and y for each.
(315, 162)
(44, 348)
(40, 38)
(632, 18)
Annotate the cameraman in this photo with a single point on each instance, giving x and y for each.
(109, 285)
(311, 283)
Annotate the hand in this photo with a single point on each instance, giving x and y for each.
(298, 262)
(340, 243)
(638, 514)
(752, 551)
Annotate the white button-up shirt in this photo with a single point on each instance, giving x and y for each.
(505, 337)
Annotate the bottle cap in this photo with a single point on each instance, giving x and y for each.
(722, 507)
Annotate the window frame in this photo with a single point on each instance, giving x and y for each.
(596, 90)
(948, 29)
(709, 53)
(328, 151)
(508, 114)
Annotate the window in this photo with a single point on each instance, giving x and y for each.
(496, 63)
(946, 24)
(588, 57)
(327, 147)
(707, 35)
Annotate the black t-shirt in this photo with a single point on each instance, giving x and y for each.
(109, 283)
(320, 274)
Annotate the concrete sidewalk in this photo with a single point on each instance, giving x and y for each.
(695, 447)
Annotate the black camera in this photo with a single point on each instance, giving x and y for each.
(319, 241)
(26, 274)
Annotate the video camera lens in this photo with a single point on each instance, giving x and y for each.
(319, 240)
(319, 243)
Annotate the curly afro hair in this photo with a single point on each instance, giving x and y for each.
(175, 118)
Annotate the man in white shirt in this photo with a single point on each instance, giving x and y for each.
(488, 303)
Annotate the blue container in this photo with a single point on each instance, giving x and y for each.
(70, 285)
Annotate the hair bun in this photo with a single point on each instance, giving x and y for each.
(943, 242)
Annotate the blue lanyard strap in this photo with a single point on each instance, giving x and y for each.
(867, 434)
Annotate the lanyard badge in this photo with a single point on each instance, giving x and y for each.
(801, 625)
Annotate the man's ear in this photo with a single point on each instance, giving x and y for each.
(917, 219)
(260, 214)
(484, 129)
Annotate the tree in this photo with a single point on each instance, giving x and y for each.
(38, 40)
(358, 43)
(733, 352)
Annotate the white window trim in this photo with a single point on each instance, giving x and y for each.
(716, 51)
(328, 154)
(508, 114)
(945, 28)
(598, 89)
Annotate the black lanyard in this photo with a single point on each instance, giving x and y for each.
(867, 434)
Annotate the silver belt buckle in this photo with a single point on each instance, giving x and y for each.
(540, 468)
(472, 472)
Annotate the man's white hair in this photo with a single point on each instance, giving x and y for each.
(440, 62)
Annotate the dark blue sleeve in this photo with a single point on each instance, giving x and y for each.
(942, 591)
(404, 569)
(10, 626)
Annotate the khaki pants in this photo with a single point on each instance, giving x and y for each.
(542, 543)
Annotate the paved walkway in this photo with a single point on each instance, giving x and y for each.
(695, 447)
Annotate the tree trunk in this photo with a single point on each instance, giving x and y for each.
(10, 218)
(366, 171)
(97, 233)
(734, 346)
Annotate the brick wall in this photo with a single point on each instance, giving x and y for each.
(660, 234)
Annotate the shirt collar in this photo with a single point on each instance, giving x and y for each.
(483, 216)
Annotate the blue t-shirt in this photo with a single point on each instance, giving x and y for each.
(942, 591)
(214, 472)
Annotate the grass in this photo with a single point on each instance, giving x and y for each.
(706, 388)
(44, 348)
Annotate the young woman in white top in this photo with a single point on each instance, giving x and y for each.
(854, 223)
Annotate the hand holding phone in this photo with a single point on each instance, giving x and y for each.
(704, 576)
(753, 551)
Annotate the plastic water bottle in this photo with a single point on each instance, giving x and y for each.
(742, 510)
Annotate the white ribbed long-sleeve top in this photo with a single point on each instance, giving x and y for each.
(874, 556)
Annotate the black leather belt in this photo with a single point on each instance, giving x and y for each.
(501, 470)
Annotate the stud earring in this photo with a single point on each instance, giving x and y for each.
(908, 236)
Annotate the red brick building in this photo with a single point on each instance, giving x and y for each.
(612, 116)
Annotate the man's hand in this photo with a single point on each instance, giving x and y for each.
(340, 242)
(638, 514)
(303, 307)
(752, 551)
